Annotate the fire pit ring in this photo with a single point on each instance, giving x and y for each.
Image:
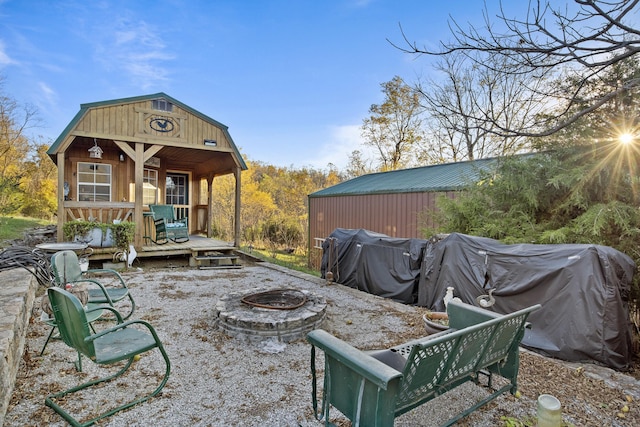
(277, 299)
(238, 318)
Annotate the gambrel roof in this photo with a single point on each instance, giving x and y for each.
(131, 133)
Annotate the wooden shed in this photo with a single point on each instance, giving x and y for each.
(117, 157)
(394, 203)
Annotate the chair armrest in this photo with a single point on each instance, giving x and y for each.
(358, 361)
(123, 326)
(98, 284)
(109, 271)
(462, 315)
(108, 308)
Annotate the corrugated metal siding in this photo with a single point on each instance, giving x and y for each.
(394, 214)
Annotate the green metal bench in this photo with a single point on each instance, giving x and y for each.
(372, 389)
(168, 227)
(119, 343)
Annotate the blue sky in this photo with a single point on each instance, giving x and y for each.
(292, 80)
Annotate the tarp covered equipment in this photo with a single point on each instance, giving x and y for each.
(374, 263)
(583, 289)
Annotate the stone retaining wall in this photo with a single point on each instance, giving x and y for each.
(17, 293)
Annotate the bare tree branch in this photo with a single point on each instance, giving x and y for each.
(585, 38)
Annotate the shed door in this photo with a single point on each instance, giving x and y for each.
(177, 193)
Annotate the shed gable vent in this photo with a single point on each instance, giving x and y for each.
(162, 105)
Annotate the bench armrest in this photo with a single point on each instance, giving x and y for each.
(358, 361)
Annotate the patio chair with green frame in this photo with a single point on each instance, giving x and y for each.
(94, 312)
(168, 227)
(66, 269)
(121, 342)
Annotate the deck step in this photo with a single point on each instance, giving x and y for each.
(218, 260)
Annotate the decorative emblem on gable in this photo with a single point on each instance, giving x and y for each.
(165, 125)
(161, 124)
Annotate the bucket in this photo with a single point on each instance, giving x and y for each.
(549, 411)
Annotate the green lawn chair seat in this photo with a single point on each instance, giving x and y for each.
(121, 342)
(66, 269)
(168, 227)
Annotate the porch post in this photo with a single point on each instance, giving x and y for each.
(210, 179)
(61, 216)
(236, 228)
(138, 178)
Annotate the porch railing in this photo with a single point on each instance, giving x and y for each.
(105, 212)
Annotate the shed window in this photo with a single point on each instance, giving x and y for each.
(162, 105)
(176, 191)
(150, 187)
(94, 182)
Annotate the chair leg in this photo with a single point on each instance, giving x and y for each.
(133, 307)
(79, 363)
(49, 401)
(159, 242)
(47, 341)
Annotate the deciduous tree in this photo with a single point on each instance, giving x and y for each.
(395, 126)
(451, 103)
(19, 156)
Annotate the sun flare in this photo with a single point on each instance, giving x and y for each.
(626, 138)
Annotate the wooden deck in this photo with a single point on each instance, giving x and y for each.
(196, 246)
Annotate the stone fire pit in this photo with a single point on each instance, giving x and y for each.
(262, 313)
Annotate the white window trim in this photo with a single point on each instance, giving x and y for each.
(157, 192)
(97, 184)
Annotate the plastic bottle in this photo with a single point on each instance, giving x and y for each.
(448, 296)
(549, 411)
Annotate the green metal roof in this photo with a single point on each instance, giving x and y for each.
(444, 177)
(86, 107)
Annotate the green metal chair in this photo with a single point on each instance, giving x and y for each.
(121, 342)
(168, 227)
(66, 269)
(94, 312)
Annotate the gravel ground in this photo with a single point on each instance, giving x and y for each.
(217, 380)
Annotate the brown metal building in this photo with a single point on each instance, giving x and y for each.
(393, 203)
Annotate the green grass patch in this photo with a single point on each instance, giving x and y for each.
(13, 227)
(293, 261)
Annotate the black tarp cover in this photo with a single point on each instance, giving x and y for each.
(374, 263)
(583, 290)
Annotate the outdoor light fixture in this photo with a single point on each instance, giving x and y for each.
(95, 152)
(211, 142)
(121, 157)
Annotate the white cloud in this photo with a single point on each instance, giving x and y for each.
(343, 140)
(5, 59)
(48, 94)
(137, 49)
